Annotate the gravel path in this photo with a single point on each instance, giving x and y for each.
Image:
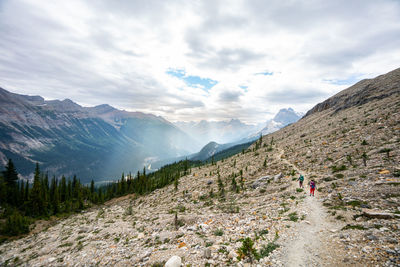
(309, 245)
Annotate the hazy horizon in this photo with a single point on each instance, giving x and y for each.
(192, 61)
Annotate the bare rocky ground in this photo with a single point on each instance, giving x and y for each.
(352, 153)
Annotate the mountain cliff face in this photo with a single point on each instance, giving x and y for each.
(92, 142)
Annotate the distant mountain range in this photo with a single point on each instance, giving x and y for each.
(218, 131)
(101, 142)
(92, 142)
(243, 139)
(223, 132)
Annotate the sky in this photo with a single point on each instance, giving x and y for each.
(195, 60)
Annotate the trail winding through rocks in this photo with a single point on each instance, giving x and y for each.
(309, 242)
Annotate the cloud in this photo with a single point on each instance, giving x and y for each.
(241, 59)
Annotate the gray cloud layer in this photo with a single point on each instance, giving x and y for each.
(118, 52)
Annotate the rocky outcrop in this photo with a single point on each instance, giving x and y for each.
(361, 93)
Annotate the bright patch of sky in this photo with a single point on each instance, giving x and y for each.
(265, 73)
(348, 81)
(193, 81)
(195, 60)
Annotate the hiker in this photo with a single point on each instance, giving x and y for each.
(312, 187)
(301, 180)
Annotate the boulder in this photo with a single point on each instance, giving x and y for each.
(260, 182)
(207, 253)
(174, 261)
(278, 177)
(378, 214)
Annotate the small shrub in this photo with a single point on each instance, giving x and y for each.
(339, 175)
(158, 264)
(339, 217)
(219, 232)
(298, 190)
(247, 250)
(263, 232)
(266, 250)
(293, 217)
(364, 143)
(338, 169)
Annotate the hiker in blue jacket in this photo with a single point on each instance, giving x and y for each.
(301, 180)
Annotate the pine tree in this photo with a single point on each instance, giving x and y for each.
(92, 188)
(3, 190)
(176, 183)
(21, 196)
(35, 197)
(63, 189)
(221, 188)
(234, 186)
(10, 179)
(123, 185)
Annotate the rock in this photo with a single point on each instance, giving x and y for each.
(371, 237)
(260, 181)
(83, 230)
(141, 235)
(377, 214)
(232, 255)
(207, 253)
(209, 182)
(278, 177)
(392, 240)
(174, 261)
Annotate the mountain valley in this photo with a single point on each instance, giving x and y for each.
(349, 144)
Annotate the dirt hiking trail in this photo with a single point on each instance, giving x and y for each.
(310, 238)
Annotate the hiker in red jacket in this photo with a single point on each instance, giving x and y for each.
(312, 187)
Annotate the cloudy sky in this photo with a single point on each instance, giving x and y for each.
(192, 60)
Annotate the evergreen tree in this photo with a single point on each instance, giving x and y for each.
(3, 190)
(35, 197)
(63, 189)
(92, 187)
(123, 185)
(234, 186)
(176, 183)
(10, 179)
(21, 195)
(221, 188)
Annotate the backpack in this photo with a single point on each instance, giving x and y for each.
(312, 185)
(301, 178)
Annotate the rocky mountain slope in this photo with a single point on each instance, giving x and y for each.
(91, 142)
(351, 151)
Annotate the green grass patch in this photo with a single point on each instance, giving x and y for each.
(293, 217)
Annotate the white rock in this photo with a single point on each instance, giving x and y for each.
(232, 255)
(174, 261)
